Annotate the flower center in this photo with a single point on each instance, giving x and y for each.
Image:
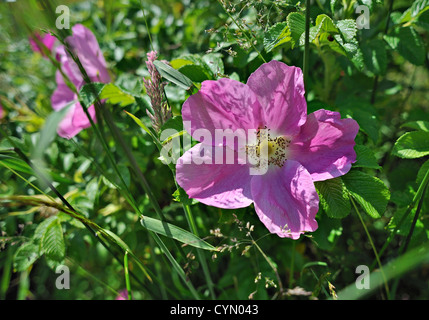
(268, 149)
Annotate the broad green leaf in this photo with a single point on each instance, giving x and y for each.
(418, 125)
(115, 95)
(52, 242)
(375, 57)
(422, 172)
(180, 62)
(411, 46)
(369, 191)
(173, 75)
(277, 35)
(41, 229)
(181, 196)
(365, 116)
(176, 233)
(214, 62)
(348, 29)
(25, 256)
(408, 43)
(333, 197)
(194, 72)
(89, 92)
(326, 24)
(412, 145)
(296, 24)
(365, 158)
(417, 8)
(423, 21)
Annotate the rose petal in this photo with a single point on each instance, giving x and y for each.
(280, 90)
(286, 200)
(85, 45)
(62, 95)
(75, 121)
(325, 145)
(222, 104)
(220, 185)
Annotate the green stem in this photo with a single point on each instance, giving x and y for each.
(292, 264)
(127, 276)
(372, 244)
(273, 267)
(416, 198)
(306, 43)
(404, 247)
(201, 257)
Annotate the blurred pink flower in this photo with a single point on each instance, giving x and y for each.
(123, 295)
(84, 44)
(1, 111)
(301, 149)
(47, 40)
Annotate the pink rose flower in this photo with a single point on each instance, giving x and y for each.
(47, 40)
(85, 46)
(301, 148)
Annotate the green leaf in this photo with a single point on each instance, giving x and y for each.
(180, 195)
(139, 123)
(41, 229)
(296, 24)
(21, 166)
(25, 256)
(422, 172)
(365, 158)
(333, 197)
(174, 232)
(418, 125)
(412, 145)
(52, 242)
(348, 29)
(375, 57)
(423, 21)
(411, 46)
(195, 72)
(369, 191)
(89, 92)
(408, 43)
(173, 75)
(365, 116)
(214, 62)
(277, 35)
(417, 8)
(116, 95)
